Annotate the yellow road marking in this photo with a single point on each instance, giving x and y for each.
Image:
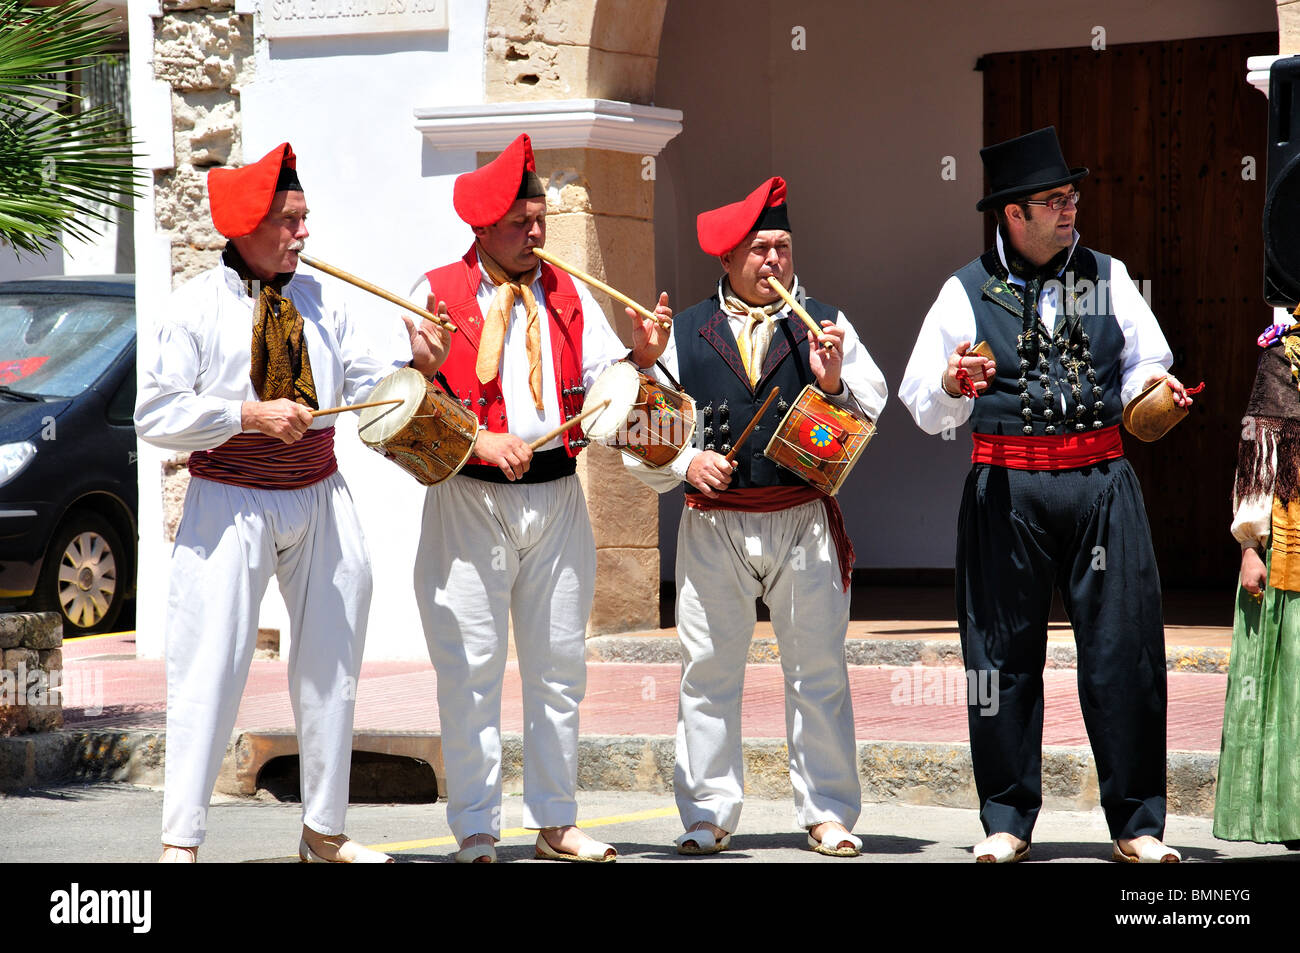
(394, 846)
(102, 635)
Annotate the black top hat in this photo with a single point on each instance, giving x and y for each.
(1025, 165)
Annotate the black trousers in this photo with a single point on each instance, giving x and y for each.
(1020, 534)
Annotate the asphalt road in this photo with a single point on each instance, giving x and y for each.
(118, 823)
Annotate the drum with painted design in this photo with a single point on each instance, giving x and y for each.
(429, 435)
(647, 420)
(819, 441)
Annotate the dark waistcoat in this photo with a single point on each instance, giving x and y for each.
(1085, 296)
(711, 372)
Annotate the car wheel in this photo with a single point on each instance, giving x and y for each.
(82, 578)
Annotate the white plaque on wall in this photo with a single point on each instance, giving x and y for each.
(292, 18)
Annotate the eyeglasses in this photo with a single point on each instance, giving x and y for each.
(1057, 203)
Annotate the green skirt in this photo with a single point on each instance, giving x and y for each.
(1258, 793)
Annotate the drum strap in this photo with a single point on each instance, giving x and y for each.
(668, 374)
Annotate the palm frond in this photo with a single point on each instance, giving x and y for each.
(62, 167)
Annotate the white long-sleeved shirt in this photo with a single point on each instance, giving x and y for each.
(600, 348)
(863, 390)
(192, 393)
(951, 320)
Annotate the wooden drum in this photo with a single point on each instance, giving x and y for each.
(429, 435)
(819, 441)
(645, 419)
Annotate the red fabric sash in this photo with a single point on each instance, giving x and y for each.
(1048, 453)
(769, 499)
(268, 463)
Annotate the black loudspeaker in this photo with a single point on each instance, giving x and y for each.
(1282, 200)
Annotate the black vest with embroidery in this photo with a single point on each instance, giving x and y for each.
(710, 370)
(1085, 300)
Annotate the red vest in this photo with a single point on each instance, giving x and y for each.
(457, 285)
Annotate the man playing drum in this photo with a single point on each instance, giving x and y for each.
(265, 498)
(508, 536)
(751, 529)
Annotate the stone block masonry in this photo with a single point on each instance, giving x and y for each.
(204, 51)
(31, 671)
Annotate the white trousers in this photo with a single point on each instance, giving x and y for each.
(490, 553)
(725, 559)
(230, 542)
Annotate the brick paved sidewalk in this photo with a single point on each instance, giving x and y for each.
(890, 703)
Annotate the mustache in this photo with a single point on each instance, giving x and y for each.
(297, 245)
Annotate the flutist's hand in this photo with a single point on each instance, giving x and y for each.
(504, 450)
(825, 362)
(430, 342)
(649, 338)
(280, 418)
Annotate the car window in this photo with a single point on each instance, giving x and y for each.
(57, 345)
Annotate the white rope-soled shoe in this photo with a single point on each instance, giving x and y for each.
(1151, 852)
(702, 841)
(830, 843)
(350, 852)
(997, 849)
(474, 854)
(591, 851)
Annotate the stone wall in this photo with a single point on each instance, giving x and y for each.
(31, 670)
(572, 49)
(175, 482)
(204, 51)
(1288, 27)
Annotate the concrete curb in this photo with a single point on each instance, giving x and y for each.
(924, 773)
(905, 652)
(65, 757)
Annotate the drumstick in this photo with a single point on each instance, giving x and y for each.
(600, 285)
(375, 290)
(542, 441)
(339, 410)
(797, 308)
(744, 434)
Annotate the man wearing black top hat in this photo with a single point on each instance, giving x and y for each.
(1050, 500)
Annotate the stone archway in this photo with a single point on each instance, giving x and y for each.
(572, 49)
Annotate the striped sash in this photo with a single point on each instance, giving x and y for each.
(266, 463)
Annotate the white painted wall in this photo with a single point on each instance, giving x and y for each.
(380, 203)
